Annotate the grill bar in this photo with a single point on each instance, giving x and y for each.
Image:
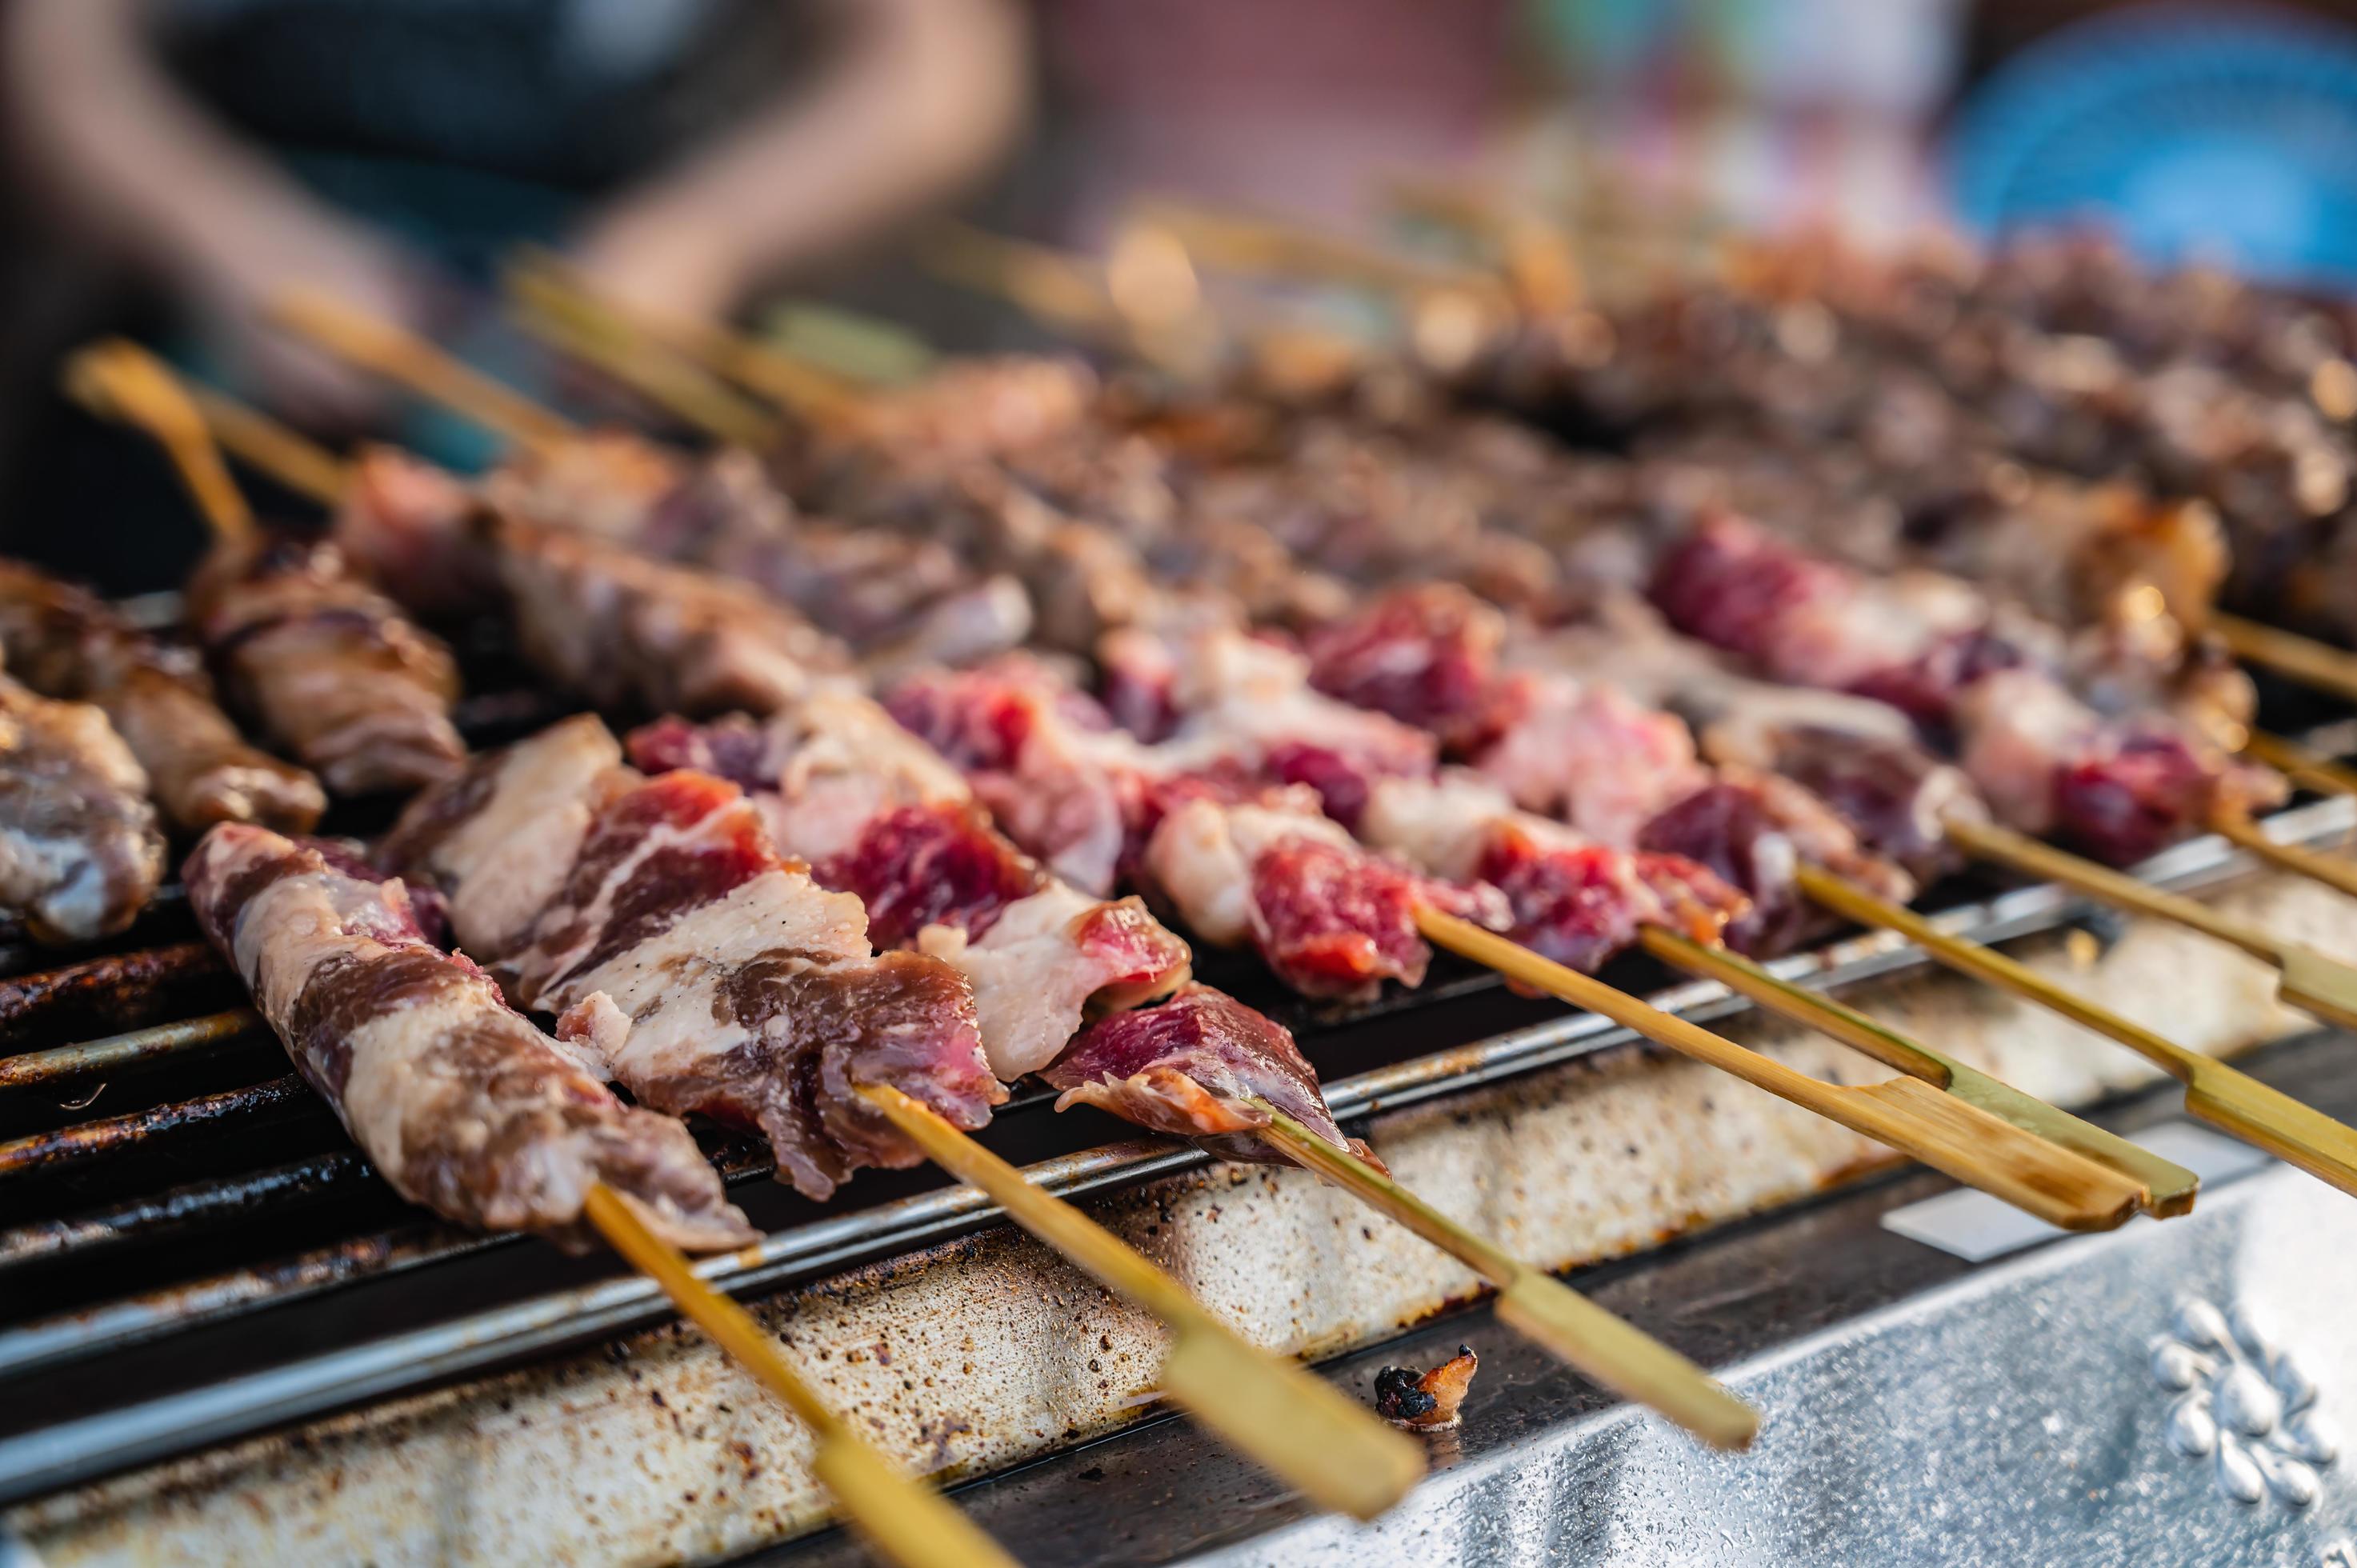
(182, 1209)
(111, 992)
(87, 1141)
(37, 1068)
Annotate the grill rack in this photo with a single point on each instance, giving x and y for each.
(291, 1331)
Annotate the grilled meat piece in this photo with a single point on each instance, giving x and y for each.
(687, 957)
(1191, 1068)
(329, 666)
(79, 851)
(1426, 1402)
(67, 643)
(460, 1103)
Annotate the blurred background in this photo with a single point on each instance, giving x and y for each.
(174, 162)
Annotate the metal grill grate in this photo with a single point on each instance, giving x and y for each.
(193, 1252)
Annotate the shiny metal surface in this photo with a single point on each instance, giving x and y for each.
(2034, 1412)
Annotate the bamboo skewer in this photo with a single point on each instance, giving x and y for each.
(2307, 979)
(901, 1516)
(409, 360)
(1613, 1352)
(1961, 1140)
(2215, 1092)
(544, 283)
(2239, 829)
(125, 381)
(2168, 1189)
(908, 1521)
(2304, 659)
(2301, 766)
(1535, 254)
(666, 376)
(1275, 1411)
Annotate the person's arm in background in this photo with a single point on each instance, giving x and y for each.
(922, 97)
(129, 164)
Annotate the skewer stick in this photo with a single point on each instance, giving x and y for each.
(1252, 244)
(2307, 979)
(1622, 1357)
(2300, 861)
(901, 1516)
(2304, 658)
(402, 357)
(1061, 292)
(124, 380)
(1299, 1428)
(2169, 1187)
(2301, 766)
(576, 324)
(1537, 256)
(2219, 1094)
(791, 384)
(1961, 1140)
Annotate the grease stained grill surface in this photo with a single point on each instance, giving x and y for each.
(183, 1216)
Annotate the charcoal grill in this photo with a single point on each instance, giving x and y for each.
(195, 1262)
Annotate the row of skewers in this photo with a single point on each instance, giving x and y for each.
(1293, 800)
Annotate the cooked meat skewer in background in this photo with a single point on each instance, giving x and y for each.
(80, 852)
(330, 668)
(67, 643)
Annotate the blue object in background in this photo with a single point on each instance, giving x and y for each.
(2191, 132)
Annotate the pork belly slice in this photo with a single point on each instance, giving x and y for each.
(330, 668)
(885, 819)
(1041, 755)
(1190, 1068)
(67, 643)
(2118, 787)
(461, 1104)
(79, 851)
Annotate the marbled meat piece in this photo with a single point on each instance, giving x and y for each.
(1191, 1068)
(79, 851)
(461, 1103)
(330, 668)
(67, 643)
(1568, 896)
(1754, 830)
